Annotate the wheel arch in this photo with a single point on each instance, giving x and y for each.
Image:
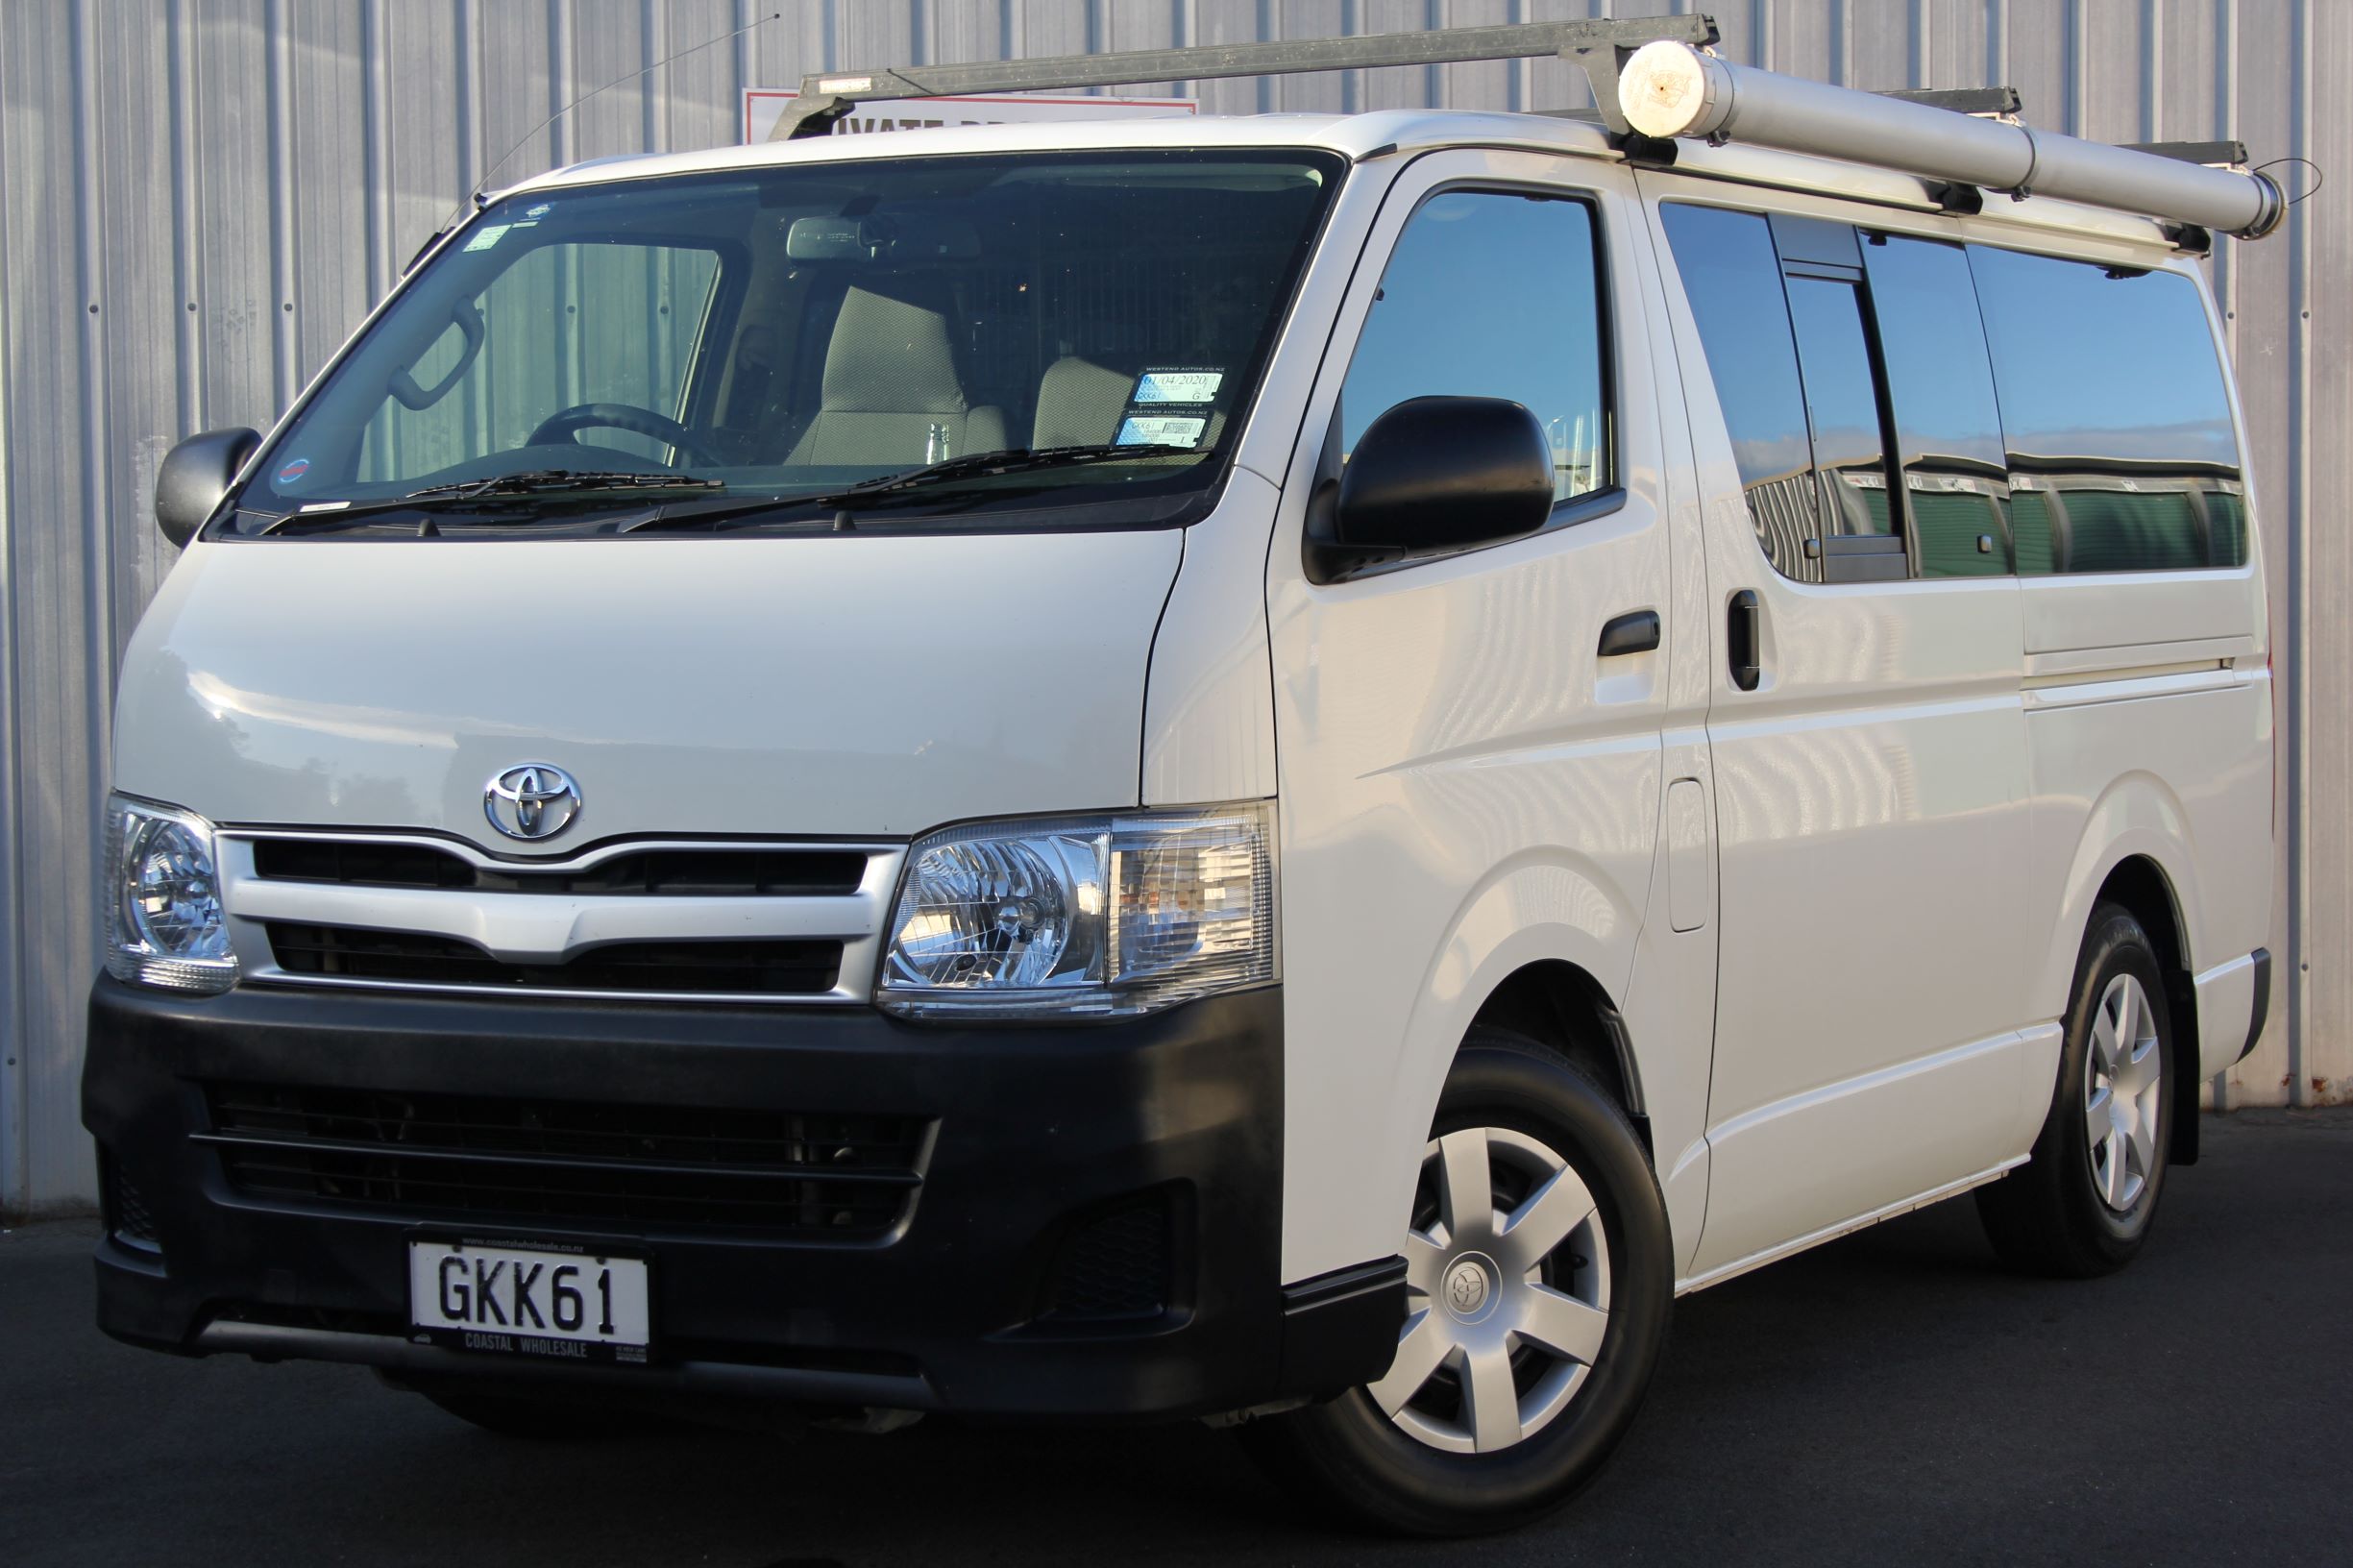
(1561, 1005)
(2140, 884)
(2136, 837)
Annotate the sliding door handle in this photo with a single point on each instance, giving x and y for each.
(1634, 632)
(1742, 635)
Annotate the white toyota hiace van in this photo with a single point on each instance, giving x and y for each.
(1282, 769)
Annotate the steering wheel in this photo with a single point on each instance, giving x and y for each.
(564, 422)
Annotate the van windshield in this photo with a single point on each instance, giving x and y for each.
(786, 333)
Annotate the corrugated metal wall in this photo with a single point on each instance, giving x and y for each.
(202, 197)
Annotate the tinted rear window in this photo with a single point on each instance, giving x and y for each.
(1948, 420)
(2102, 364)
(2114, 413)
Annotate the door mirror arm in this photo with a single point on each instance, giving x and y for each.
(1328, 560)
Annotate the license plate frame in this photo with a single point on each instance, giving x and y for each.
(614, 1288)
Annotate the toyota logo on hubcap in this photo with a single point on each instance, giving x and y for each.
(531, 800)
(1468, 1290)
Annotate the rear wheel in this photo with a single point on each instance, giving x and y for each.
(2082, 1204)
(1539, 1277)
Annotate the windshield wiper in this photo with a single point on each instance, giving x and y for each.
(974, 466)
(989, 464)
(538, 484)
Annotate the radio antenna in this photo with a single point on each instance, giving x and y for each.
(476, 194)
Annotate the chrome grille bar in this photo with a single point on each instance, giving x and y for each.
(551, 928)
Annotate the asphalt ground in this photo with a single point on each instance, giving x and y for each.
(1893, 1398)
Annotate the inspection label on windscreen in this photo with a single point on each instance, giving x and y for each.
(1159, 431)
(1178, 385)
(1170, 406)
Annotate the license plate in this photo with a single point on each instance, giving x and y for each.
(528, 1301)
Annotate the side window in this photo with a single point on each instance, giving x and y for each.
(1786, 325)
(1734, 281)
(1494, 294)
(1947, 424)
(2114, 415)
(1860, 539)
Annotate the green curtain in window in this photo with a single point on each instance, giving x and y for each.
(2132, 531)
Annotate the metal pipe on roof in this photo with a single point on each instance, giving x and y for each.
(1672, 89)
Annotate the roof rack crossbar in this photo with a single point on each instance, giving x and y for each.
(1960, 100)
(1599, 47)
(2215, 154)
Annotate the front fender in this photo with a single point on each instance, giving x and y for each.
(1544, 906)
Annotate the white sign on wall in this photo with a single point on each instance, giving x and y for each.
(763, 106)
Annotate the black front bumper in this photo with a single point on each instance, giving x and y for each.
(1037, 1133)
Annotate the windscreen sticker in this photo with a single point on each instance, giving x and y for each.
(488, 235)
(293, 471)
(1159, 431)
(1178, 385)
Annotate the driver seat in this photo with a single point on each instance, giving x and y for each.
(890, 379)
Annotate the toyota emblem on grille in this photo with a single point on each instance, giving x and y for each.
(531, 800)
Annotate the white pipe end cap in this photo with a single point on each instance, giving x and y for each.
(1671, 89)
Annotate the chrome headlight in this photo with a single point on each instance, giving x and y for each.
(1083, 916)
(162, 897)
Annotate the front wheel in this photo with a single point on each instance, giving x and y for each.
(1539, 1277)
(2082, 1204)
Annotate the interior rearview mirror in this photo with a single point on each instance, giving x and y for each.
(1442, 473)
(196, 474)
(885, 238)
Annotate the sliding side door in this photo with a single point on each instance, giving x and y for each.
(1865, 725)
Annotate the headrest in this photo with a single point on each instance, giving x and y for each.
(1079, 404)
(890, 354)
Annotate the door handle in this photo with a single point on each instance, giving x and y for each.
(1634, 632)
(1742, 618)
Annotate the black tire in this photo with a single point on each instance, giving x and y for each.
(2049, 1217)
(1348, 1456)
(533, 1420)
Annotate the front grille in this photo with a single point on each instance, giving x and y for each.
(668, 872)
(842, 1178)
(1115, 1267)
(778, 968)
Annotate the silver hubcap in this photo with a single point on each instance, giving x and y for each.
(1508, 1271)
(2122, 1083)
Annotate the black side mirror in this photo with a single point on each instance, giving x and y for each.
(196, 474)
(1439, 474)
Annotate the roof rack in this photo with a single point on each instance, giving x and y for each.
(1652, 86)
(1599, 48)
